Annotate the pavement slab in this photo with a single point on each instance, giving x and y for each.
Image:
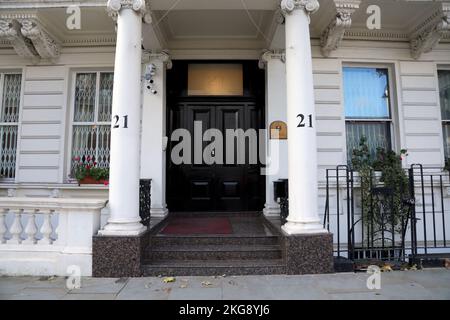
(397, 285)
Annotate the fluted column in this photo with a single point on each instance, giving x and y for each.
(125, 132)
(302, 146)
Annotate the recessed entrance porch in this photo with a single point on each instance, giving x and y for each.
(215, 117)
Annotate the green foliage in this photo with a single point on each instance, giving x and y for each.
(82, 170)
(385, 171)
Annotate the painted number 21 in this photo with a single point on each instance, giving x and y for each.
(302, 123)
(116, 122)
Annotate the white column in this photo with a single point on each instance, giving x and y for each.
(302, 146)
(273, 62)
(153, 149)
(125, 133)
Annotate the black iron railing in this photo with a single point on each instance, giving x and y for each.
(145, 200)
(372, 221)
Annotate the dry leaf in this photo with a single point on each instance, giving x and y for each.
(386, 268)
(206, 283)
(169, 279)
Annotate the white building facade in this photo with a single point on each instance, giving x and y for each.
(96, 81)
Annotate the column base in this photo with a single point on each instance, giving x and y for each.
(159, 212)
(118, 256)
(271, 210)
(309, 253)
(122, 229)
(297, 228)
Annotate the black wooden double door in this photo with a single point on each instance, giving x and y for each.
(215, 187)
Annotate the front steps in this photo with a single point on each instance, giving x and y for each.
(214, 255)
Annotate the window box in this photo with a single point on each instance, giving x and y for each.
(91, 180)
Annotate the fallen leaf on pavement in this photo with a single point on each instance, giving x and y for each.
(169, 279)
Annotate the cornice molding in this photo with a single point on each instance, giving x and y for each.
(163, 56)
(429, 32)
(28, 36)
(309, 6)
(334, 33)
(113, 7)
(268, 55)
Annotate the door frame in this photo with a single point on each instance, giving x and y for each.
(254, 91)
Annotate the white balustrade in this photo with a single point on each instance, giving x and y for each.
(49, 234)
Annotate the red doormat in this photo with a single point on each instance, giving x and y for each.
(189, 225)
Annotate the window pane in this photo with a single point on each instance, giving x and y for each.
(446, 130)
(8, 144)
(377, 135)
(215, 80)
(366, 93)
(105, 97)
(444, 93)
(91, 144)
(85, 90)
(11, 98)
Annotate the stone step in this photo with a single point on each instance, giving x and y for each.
(214, 252)
(214, 268)
(160, 240)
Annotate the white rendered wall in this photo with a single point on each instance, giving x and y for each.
(275, 111)
(153, 155)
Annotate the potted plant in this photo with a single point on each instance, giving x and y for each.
(89, 172)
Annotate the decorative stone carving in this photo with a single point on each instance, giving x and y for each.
(44, 43)
(334, 32)
(163, 56)
(428, 33)
(309, 6)
(142, 6)
(10, 30)
(269, 55)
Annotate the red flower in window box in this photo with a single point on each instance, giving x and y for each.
(90, 173)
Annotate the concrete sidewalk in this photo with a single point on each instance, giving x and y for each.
(423, 284)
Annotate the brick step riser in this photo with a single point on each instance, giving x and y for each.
(154, 271)
(214, 255)
(159, 241)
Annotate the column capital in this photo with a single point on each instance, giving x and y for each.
(140, 6)
(163, 56)
(309, 6)
(268, 55)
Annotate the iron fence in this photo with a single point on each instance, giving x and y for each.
(370, 220)
(145, 200)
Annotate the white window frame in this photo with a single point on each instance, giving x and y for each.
(18, 123)
(441, 68)
(73, 123)
(393, 105)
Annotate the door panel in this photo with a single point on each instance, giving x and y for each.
(217, 187)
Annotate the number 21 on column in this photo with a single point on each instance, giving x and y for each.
(301, 119)
(120, 122)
